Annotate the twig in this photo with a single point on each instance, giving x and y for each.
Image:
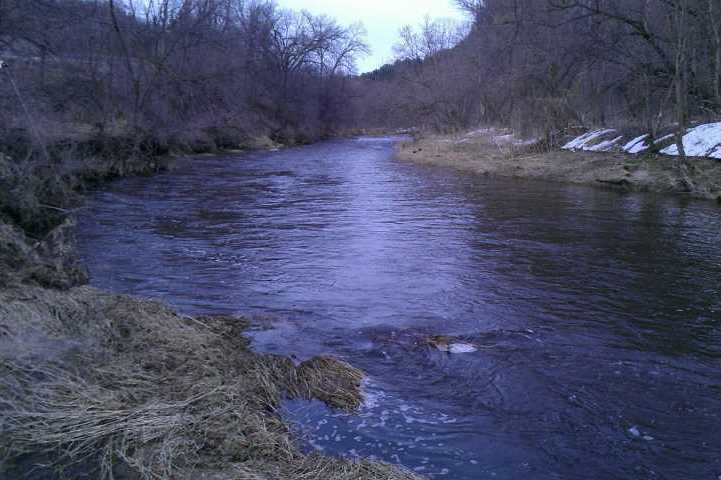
(63, 210)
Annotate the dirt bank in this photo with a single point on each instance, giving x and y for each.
(97, 385)
(698, 177)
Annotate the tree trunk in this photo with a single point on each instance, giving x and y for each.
(128, 65)
(681, 74)
(714, 14)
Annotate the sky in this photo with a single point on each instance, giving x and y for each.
(381, 18)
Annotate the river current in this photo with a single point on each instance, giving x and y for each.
(596, 314)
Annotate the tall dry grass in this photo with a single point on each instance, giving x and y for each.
(124, 388)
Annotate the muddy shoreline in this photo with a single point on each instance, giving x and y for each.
(693, 178)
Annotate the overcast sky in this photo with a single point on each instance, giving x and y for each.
(381, 18)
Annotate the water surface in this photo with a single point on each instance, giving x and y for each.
(597, 314)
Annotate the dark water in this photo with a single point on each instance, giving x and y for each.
(598, 314)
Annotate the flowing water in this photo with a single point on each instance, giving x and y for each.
(597, 315)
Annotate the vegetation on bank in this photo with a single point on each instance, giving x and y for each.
(198, 74)
(109, 386)
(38, 198)
(489, 152)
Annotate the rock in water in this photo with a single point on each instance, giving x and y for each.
(449, 344)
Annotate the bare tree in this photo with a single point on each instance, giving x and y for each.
(194, 72)
(544, 65)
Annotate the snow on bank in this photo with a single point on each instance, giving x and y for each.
(511, 139)
(498, 137)
(585, 141)
(637, 145)
(700, 141)
(606, 145)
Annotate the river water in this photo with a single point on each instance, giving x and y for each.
(597, 315)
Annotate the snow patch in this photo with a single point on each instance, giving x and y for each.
(637, 145)
(664, 138)
(604, 146)
(701, 141)
(497, 136)
(581, 142)
(511, 139)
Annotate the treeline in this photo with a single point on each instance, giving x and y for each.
(195, 73)
(541, 66)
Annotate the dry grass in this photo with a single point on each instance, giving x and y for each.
(334, 382)
(49, 261)
(128, 389)
(698, 177)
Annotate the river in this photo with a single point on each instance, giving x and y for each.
(597, 314)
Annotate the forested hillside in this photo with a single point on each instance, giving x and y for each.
(207, 74)
(541, 66)
(200, 74)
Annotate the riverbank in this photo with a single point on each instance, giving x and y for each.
(484, 154)
(108, 386)
(117, 387)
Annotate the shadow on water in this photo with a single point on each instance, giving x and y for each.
(597, 315)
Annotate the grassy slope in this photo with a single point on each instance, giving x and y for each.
(700, 178)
